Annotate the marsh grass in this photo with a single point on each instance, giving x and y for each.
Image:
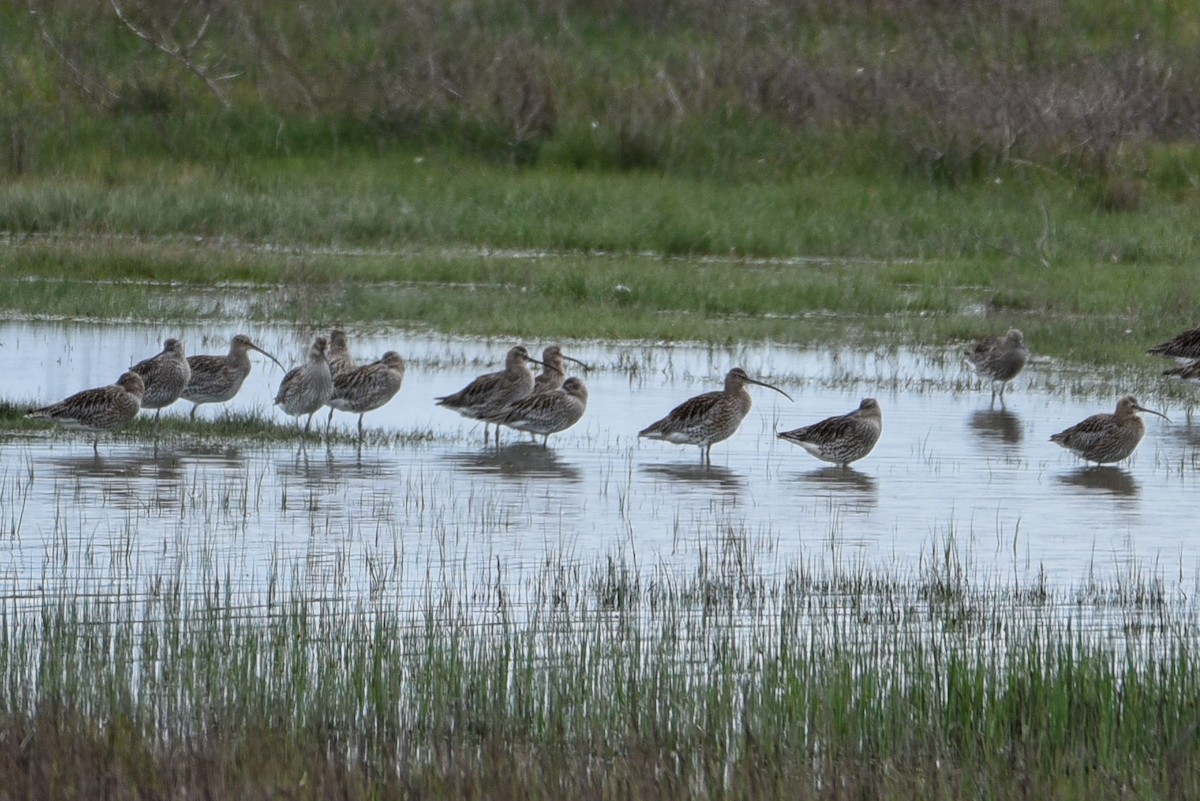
(229, 427)
(1094, 313)
(736, 681)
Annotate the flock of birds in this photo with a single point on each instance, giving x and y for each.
(330, 377)
(552, 402)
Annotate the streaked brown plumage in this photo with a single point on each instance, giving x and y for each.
(166, 375)
(98, 409)
(490, 393)
(366, 388)
(708, 418)
(217, 379)
(1189, 371)
(554, 371)
(338, 354)
(1184, 347)
(546, 413)
(308, 387)
(842, 439)
(999, 359)
(1106, 438)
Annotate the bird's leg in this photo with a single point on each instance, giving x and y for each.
(195, 406)
(329, 422)
(360, 428)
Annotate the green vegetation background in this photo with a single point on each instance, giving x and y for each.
(825, 171)
(815, 171)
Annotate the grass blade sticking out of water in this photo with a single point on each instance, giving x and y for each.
(808, 683)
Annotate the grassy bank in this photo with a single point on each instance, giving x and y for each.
(906, 170)
(597, 683)
(1098, 312)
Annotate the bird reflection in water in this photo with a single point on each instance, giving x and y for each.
(1112, 480)
(842, 479)
(997, 425)
(138, 479)
(518, 460)
(711, 474)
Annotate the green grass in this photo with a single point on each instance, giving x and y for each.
(1097, 312)
(229, 427)
(814, 173)
(726, 683)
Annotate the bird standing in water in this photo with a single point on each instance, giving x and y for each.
(708, 418)
(217, 379)
(548, 412)
(366, 388)
(308, 387)
(842, 439)
(999, 359)
(165, 375)
(1107, 438)
(490, 393)
(99, 409)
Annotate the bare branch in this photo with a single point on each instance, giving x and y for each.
(164, 43)
(98, 93)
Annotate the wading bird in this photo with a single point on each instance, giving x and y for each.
(999, 359)
(217, 379)
(708, 418)
(366, 388)
(842, 439)
(338, 354)
(554, 370)
(165, 375)
(546, 413)
(308, 387)
(99, 409)
(489, 394)
(1107, 438)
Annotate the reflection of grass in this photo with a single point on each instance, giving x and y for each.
(720, 683)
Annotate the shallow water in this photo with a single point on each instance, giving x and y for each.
(952, 474)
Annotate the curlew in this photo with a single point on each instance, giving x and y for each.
(366, 388)
(338, 354)
(166, 375)
(98, 409)
(1184, 348)
(554, 371)
(999, 359)
(489, 394)
(546, 413)
(217, 379)
(708, 418)
(307, 388)
(1188, 371)
(1107, 438)
(842, 439)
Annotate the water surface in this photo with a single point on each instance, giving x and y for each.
(953, 474)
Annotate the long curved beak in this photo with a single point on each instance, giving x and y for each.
(772, 386)
(584, 365)
(535, 361)
(264, 353)
(1151, 411)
